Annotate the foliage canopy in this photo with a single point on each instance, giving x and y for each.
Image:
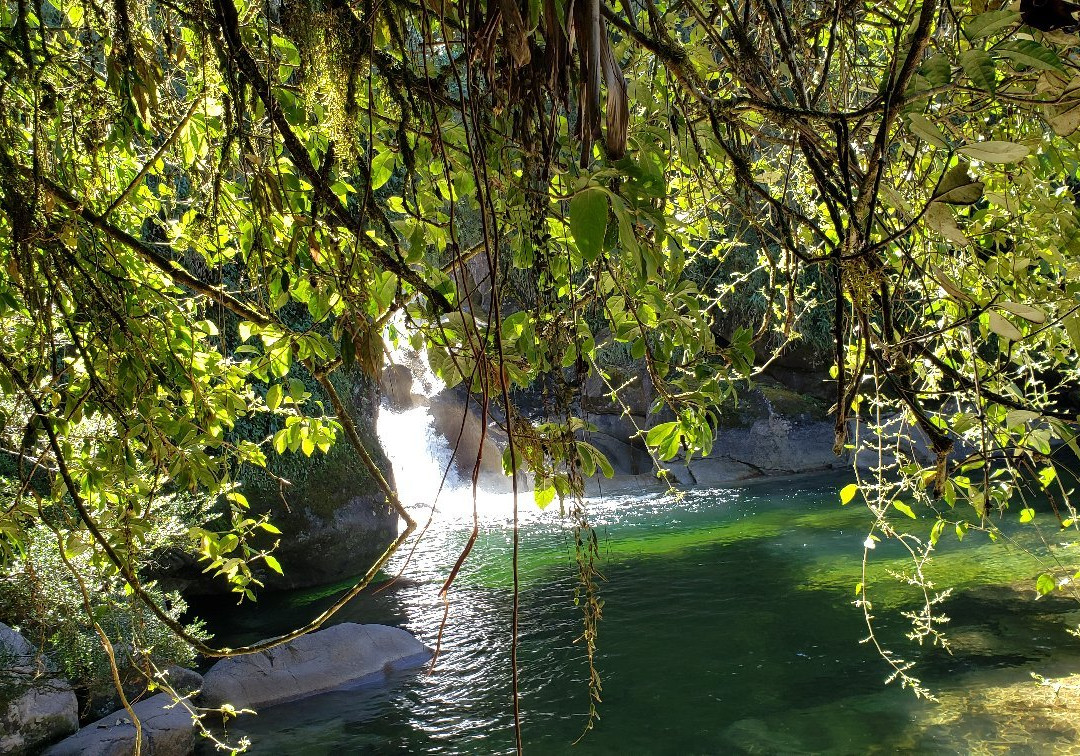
(514, 186)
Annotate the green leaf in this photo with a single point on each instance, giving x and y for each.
(273, 564)
(958, 187)
(979, 67)
(588, 221)
(1047, 475)
(1003, 327)
(385, 288)
(936, 531)
(847, 493)
(996, 151)
(269, 528)
(1018, 417)
(939, 217)
(544, 496)
(991, 22)
(902, 507)
(1029, 53)
(603, 464)
(927, 130)
(296, 389)
(382, 168)
(1027, 514)
(1072, 330)
(348, 350)
(274, 396)
(1028, 312)
(937, 70)
(1045, 584)
(658, 433)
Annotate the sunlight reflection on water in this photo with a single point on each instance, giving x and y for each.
(728, 628)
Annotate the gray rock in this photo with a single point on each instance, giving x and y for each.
(182, 679)
(456, 418)
(168, 729)
(347, 540)
(396, 386)
(315, 663)
(36, 706)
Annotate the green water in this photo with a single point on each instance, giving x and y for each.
(728, 627)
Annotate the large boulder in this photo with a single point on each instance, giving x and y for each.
(338, 656)
(772, 432)
(455, 418)
(334, 517)
(168, 729)
(775, 445)
(36, 706)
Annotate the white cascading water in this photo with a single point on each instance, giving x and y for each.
(420, 455)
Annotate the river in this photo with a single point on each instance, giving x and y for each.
(728, 627)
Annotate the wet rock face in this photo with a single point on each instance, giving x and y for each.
(396, 386)
(36, 707)
(334, 518)
(456, 419)
(338, 656)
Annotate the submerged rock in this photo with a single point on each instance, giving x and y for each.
(993, 710)
(36, 706)
(315, 663)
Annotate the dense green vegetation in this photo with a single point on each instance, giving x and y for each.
(518, 187)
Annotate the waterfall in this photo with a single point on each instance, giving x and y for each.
(421, 455)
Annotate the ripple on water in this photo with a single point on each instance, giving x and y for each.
(728, 627)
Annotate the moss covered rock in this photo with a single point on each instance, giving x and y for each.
(36, 706)
(334, 517)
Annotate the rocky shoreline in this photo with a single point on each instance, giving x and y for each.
(40, 710)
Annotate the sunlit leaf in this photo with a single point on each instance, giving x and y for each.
(274, 395)
(904, 508)
(1003, 327)
(848, 492)
(996, 151)
(588, 221)
(1028, 312)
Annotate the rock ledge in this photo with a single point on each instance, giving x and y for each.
(338, 656)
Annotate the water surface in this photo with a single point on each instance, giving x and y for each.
(728, 627)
